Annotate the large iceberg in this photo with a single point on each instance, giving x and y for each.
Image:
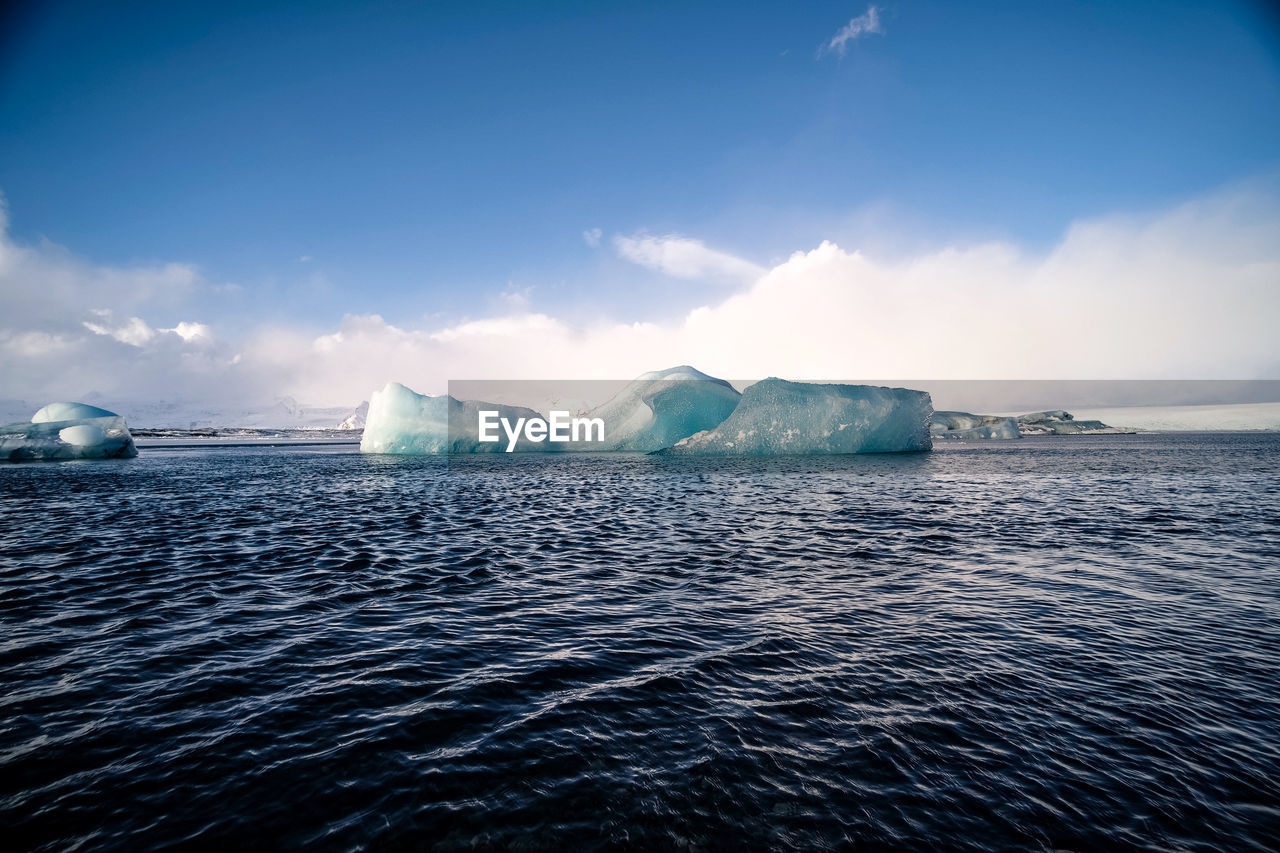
(67, 431)
(652, 412)
(402, 421)
(777, 417)
(660, 408)
(964, 425)
(1058, 422)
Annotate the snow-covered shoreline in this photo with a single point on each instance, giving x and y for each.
(1233, 417)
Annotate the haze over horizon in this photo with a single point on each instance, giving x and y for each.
(234, 202)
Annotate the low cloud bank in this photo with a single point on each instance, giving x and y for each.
(1190, 292)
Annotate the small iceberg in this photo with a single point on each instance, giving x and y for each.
(963, 425)
(776, 417)
(1058, 422)
(403, 422)
(67, 431)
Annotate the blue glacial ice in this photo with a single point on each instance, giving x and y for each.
(70, 412)
(402, 421)
(777, 417)
(67, 431)
(660, 408)
(963, 425)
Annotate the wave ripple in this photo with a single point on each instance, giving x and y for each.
(1063, 644)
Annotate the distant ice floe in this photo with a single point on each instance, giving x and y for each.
(776, 417)
(967, 426)
(963, 425)
(67, 431)
(1058, 422)
(1215, 417)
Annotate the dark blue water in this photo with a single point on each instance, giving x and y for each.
(1061, 643)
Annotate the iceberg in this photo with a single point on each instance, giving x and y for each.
(660, 408)
(653, 411)
(963, 425)
(67, 431)
(402, 421)
(70, 412)
(777, 417)
(1058, 422)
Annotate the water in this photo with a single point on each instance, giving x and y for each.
(1060, 643)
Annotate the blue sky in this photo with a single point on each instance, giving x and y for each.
(418, 161)
(425, 155)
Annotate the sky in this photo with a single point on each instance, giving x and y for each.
(225, 200)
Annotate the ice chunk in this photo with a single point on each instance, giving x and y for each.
(67, 431)
(1058, 422)
(83, 435)
(401, 421)
(1045, 417)
(69, 412)
(660, 408)
(964, 425)
(776, 417)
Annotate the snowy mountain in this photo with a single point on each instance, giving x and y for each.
(357, 419)
(280, 413)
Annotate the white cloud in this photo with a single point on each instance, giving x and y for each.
(863, 25)
(592, 237)
(69, 328)
(1190, 292)
(192, 332)
(683, 257)
(135, 332)
(516, 298)
(1187, 293)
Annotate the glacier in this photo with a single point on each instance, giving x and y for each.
(67, 431)
(402, 421)
(778, 417)
(963, 425)
(659, 408)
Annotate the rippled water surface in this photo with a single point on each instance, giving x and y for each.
(1060, 643)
